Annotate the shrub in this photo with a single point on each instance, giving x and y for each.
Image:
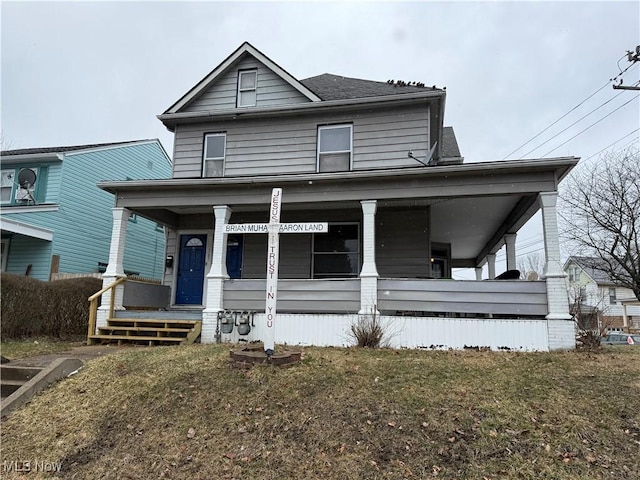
(368, 331)
(34, 308)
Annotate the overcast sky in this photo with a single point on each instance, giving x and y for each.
(90, 72)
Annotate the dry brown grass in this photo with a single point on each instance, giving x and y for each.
(183, 412)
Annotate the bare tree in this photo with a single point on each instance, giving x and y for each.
(531, 263)
(600, 211)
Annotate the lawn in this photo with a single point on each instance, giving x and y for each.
(23, 348)
(186, 413)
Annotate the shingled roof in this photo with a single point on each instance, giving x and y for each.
(45, 150)
(336, 87)
(593, 266)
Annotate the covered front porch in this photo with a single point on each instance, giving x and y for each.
(394, 238)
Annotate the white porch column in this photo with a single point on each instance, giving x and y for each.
(561, 329)
(625, 318)
(491, 265)
(478, 273)
(510, 246)
(369, 272)
(216, 276)
(115, 268)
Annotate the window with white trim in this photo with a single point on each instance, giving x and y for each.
(12, 193)
(612, 296)
(336, 254)
(7, 178)
(334, 148)
(215, 145)
(247, 83)
(573, 273)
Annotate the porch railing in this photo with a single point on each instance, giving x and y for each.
(299, 296)
(398, 296)
(515, 298)
(93, 306)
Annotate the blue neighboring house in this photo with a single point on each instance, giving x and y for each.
(54, 219)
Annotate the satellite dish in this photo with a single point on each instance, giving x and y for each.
(26, 178)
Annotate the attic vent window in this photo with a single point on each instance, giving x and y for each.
(247, 82)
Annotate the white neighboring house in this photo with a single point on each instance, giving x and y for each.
(594, 289)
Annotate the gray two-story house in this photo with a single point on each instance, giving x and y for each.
(375, 162)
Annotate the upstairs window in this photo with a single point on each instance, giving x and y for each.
(612, 296)
(30, 192)
(247, 81)
(334, 148)
(573, 273)
(6, 185)
(214, 152)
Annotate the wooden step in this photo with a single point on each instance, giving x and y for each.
(136, 338)
(144, 329)
(149, 322)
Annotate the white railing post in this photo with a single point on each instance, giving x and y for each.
(491, 265)
(115, 268)
(369, 272)
(560, 325)
(216, 276)
(510, 247)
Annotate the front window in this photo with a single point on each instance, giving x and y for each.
(247, 82)
(336, 254)
(334, 148)
(214, 153)
(612, 296)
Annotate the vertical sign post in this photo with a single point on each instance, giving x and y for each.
(273, 254)
(274, 228)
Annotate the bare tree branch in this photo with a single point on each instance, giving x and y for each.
(600, 215)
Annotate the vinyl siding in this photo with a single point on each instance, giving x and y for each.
(381, 139)
(25, 251)
(271, 90)
(83, 222)
(402, 242)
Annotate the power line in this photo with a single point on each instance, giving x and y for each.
(574, 108)
(536, 136)
(567, 128)
(612, 144)
(593, 124)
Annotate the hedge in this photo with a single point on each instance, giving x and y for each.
(32, 308)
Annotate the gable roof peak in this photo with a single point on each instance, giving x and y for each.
(239, 53)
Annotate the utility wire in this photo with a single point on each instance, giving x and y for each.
(594, 123)
(574, 108)
(612, 144)
(567, 128)
(547, 128)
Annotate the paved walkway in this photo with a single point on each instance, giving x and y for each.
(84, 353)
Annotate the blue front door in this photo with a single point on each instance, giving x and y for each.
(191, 267)
(234, 256)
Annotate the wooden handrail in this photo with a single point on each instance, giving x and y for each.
(104, 289)
(93, 308)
